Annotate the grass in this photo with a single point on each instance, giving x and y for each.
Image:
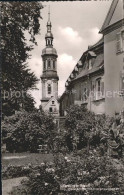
(21, 159)
(25, 158)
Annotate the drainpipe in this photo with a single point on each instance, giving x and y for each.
(89, 90)
(123, 88)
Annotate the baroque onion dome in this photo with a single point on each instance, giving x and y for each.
(49, 55)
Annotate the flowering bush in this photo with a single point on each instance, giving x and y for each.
(41, 180)
(91, 171)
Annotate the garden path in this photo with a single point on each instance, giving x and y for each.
(8, 184)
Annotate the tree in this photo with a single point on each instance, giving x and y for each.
(16, 19)
(25, 131)
(86, 127)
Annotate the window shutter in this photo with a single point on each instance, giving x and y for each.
(82, 94)
(102, 87)
(122, 82)
(85, 94)
(93, 90)
(122, 37)
(118, 42)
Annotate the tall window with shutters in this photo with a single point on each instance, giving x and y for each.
(120, 42)
(99, 88)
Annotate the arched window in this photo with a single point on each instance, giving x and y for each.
(49, 65)
(48, 41)
(54, 65)
(49, 89)
(44, 65)
(50, 109)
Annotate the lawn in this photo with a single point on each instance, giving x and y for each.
(25, 158)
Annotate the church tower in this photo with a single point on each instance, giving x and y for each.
(49, 76)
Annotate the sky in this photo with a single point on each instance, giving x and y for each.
(75, 25)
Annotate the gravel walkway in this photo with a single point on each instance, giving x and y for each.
(8, 184)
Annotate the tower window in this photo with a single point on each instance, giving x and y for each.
(48, 41)
(49, 89)
(49, 66)
(53, 64)
(44, 65)
(50, 109)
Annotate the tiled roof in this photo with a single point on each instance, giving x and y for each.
(45, 99)
(97, 44)
(89, 71)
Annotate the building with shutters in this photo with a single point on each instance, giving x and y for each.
(85, 85)
(113, 33)
(97, 80)
(49, 77)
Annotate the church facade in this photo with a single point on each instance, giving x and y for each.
(49, 77)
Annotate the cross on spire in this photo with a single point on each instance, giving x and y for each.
(49, 35)
(49, 14)
(49, 22)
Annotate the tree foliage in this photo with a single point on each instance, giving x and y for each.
(25, 131)
(84, 126)
(17, 18)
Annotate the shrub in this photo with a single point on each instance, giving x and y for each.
(92, 170)
(25, 131)
(15, 171)
(41, 180)
(84, 128)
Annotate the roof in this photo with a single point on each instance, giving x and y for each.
(99, 61)
(110, 14)
(45, 99)
(87, 72)
(50, 99)
(49, 50)
(90, 51)
(101, 41)
(49, 34)
(49, 74)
